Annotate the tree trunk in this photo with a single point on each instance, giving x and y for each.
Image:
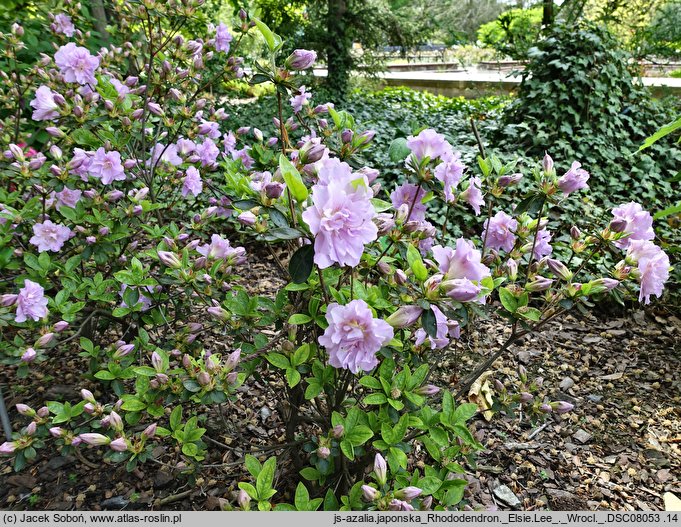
(338, 45)
(99, 14)
(547, 18)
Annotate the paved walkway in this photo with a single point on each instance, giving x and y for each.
(473, 82)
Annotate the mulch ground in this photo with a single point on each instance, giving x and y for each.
(620, 449)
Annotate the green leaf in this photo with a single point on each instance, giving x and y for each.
(272, 40)
(375, 398)
(249, 489)
(134, 405)
(508, 300)
(301, 264)
(263, 483)
(298, 319)
(429, 323)
(662, 132)
(371, 382)
(416, 263)
(398, 150)
(175, 418)
(347, 449)
(278, 360)
(380, 205)
(283, 233)
(464, 412)
(531, 313)
(105, 375)
(252, 465)
(310, 474)
(84, 137)
(359, 435)
(292, 377)
(291, 176)
(674, 209)
(302, 497)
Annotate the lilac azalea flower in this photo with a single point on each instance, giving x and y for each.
(80, 163)
(639, 223)
(63, 24)
(222, 38)
(106, 166)
(192, 182)
(542, 247)
(450, 172)
(354, 336)
(498, 231)
(208, 152)
(161, 154)
(121, 88)
(48, 236)
(404, 194)
(428, 144)
(76, 64)
(44, 106)
(242, 154)
(220, 248)
(473, 194)
(340, 217)
(300, 99)
(653, 268)
(462, 262)
(574, 179)
(67, 197)
(31, 302)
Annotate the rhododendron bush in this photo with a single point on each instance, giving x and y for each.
(124, 231)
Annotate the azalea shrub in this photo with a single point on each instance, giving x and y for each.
(129, 211)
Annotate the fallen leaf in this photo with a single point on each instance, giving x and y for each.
(481, 394)
(613, 376)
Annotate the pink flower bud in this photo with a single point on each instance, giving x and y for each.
(203, 378)
(405, 316)
(509, 180)
(618, 225)
(26, 410)
(547, 164)
(8, 300)
(427, 503)
(346, 135)
(526, 398)
(95, 439)
(43, 411)
(559, 269)
(8, 447)
(55, 431)
(247, 218)
(55, 132)
(60, 326)
(337, 431)
(428, 389)
(380, 469)
(233, 360)
(218, 313)
(243, 499)
(323, 452)
(169, 259)
(408, 493)
(540, 283)
(149, 431)
(115, 421)
(119, 445)
(370, 493)
(300, 59)
(545, 408)
(29, 355)
(400, 277)
(87, 395)
(274, 189)
(562, 407)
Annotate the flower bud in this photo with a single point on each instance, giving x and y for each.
(218, 313)
(618, 225)
(545, 408)
(56, 152)
(55, 431)
(547, 164)
(346, 135)
(115, 421)
(55, 132)
(311, 152)
(300, 59)
(370, 493)
(149, 431)
(526, 398)
(380, 469)
(26, 410)
(575, 233)
(31, 428)
(540, 283)
(337, 431)
(45, 340)
(427, 503)
(157, 361)
(562, 407)
(274, 189)
(87, 396)
(203, 378)
(323, 452)
(233, 360)
(29, 355)
(8, 447)
(95, 439)
(428, 390)
(169, 259)
(559, 269)
(405, 316)
(400, 277)
(408, 493)
(8, 300)
(244, 500)
(43, 411)
(247, 218)
(509, 180)
(119, 445)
